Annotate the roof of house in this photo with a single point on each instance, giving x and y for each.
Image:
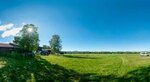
(6, 45)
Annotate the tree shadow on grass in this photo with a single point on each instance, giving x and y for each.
(140, 75)
(36, 69)
(39, 70)
(84, 57)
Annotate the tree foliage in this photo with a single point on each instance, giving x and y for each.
(55, 44)
(28, 38)
(46, 47)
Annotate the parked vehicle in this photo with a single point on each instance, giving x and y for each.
(45, 52)
(144, 54)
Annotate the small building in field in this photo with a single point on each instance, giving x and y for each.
(144, 53)
(6, 47)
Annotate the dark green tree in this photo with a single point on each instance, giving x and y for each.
(46, 47)
(28, 38)
(55, 44)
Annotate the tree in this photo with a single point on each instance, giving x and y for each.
(46, 47)
(28, 38)
(55, 44)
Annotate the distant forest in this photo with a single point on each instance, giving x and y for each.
(102, 52)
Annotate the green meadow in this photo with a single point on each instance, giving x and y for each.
(76, 68)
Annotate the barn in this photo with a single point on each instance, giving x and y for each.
(6, 47)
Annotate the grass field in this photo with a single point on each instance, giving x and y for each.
(77, 67)
(100, 64)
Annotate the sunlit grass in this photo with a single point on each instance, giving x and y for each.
(101, 64)
(2, 64)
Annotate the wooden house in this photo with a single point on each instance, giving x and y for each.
(6, 47)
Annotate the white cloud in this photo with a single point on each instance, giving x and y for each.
(6, 27)
(11, 32)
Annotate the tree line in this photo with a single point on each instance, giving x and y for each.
(99, 52)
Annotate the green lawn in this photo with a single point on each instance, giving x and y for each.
(76, 67)
(104, 65)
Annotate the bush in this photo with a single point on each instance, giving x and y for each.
(18, 55)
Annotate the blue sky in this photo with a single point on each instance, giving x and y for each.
(95, 25)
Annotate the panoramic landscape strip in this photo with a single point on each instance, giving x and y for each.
(74, 41)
